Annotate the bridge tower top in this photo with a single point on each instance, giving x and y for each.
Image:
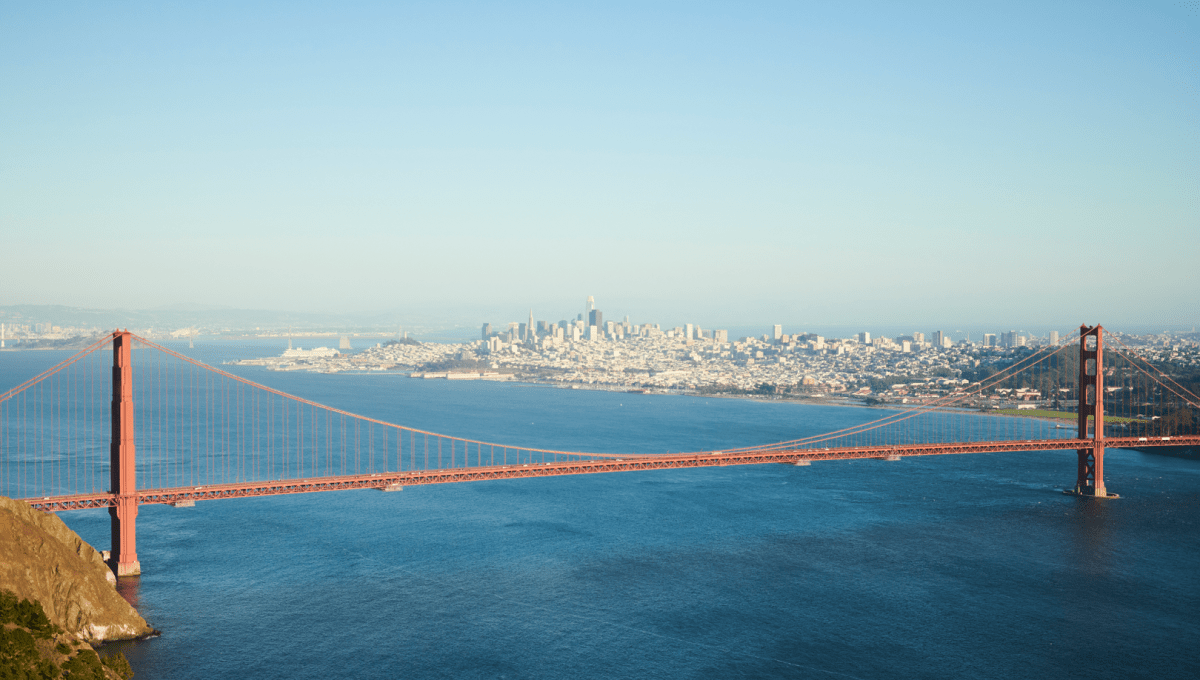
(1091, 382)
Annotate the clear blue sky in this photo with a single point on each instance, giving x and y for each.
(739, 163)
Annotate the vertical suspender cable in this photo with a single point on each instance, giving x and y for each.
(41, 440)
(285, 433)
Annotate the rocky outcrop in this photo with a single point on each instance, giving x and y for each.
(44, 561)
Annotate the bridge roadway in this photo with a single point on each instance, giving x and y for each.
(381, 480)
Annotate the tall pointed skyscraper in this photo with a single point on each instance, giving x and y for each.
(530, 333)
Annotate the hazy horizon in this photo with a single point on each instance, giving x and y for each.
(859, 164)
(448, 327)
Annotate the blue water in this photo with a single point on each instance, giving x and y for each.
(945, 567)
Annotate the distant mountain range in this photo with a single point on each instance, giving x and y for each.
(208, 319)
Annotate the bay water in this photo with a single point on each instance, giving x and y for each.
(941, 567)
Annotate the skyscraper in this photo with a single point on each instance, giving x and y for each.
(1053, 337)
(939, 339)
(595, 317)
(530, 332)
(778, 332)
(588, 307)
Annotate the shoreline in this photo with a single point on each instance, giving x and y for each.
(848, 401)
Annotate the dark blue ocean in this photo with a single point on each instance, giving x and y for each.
(946, 567)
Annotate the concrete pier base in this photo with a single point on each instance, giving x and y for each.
(129, 569)
(1088, 494)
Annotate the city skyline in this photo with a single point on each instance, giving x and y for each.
(590, 325)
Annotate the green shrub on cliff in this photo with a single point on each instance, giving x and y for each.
(26, 614)
(118, 663)
(20, 658)
(84, 666)
(87, 665)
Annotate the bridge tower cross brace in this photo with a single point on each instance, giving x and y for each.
(123, 470)
(1090, 474)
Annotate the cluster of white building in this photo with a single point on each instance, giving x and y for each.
(14, 334)
(679, 360)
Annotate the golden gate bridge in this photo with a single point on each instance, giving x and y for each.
(176, 431)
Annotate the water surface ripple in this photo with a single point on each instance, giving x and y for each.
(945, 567)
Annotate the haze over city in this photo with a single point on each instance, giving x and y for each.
(923, 164)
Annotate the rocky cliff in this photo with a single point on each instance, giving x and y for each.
(44, 561)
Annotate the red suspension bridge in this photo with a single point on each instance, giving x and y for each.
(178, 431)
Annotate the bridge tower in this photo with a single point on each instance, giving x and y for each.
(1090, 476)
(124, 561)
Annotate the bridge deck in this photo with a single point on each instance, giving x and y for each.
(626, 463)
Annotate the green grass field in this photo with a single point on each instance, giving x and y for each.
(1061, 415)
